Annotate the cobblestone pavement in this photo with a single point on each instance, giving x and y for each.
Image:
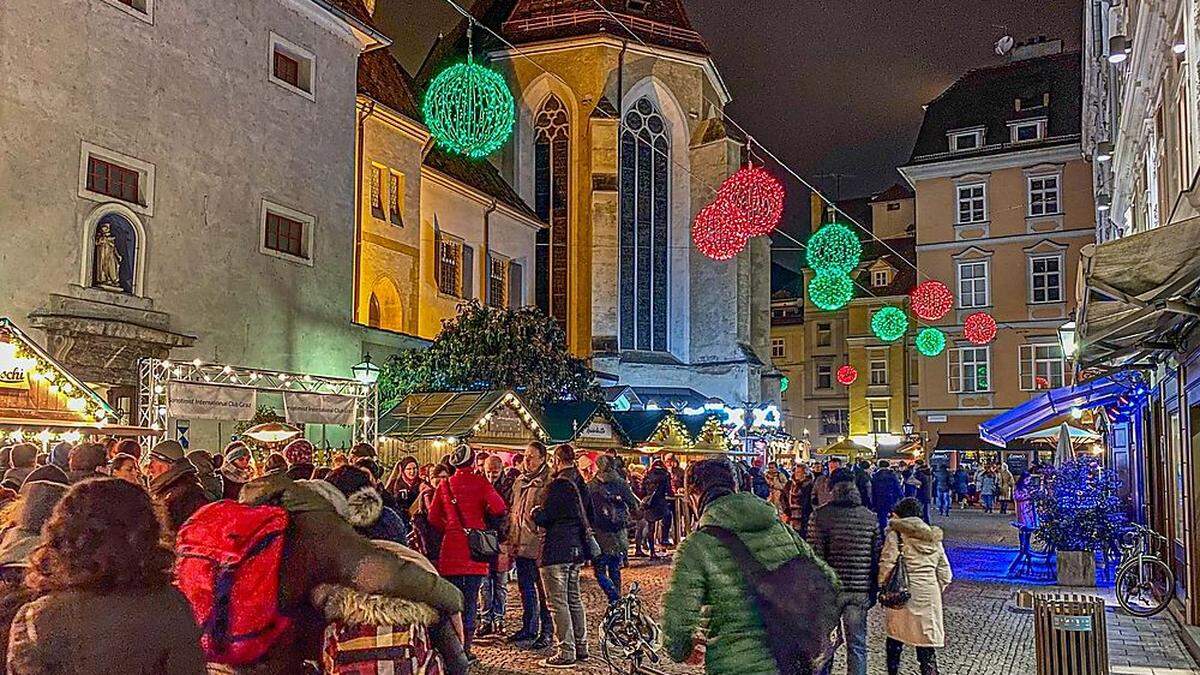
(985, 636)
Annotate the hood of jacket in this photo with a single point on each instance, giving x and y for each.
(608, 476)
(740, 512)
(331, 494)
(37, 501)
(364, 506)
(922, 537)
(200, 460)
(845, 493)
(232, 473)
(178, 471)
(342, 603)
(282, 491)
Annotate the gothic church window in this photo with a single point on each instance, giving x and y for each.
(644, 228)
(551, 170)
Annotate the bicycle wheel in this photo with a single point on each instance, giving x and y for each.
(1145, 587)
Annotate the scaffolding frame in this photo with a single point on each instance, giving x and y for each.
(154, 376)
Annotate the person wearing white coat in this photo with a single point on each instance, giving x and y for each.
(919, 623)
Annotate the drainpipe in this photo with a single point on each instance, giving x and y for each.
(367, 110)
(486, 254)
(621, 87)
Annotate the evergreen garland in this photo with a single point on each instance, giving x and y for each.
(1079, 506)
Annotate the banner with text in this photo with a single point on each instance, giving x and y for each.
(306, 407)
(190, 400)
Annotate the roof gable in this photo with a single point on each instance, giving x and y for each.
(383, 79)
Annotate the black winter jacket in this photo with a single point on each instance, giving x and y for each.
(845, 534)
(561, 516)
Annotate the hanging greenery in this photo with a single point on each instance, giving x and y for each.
(830, 290)
(834, 248)
(889, 324)
(930, 341)
(469, 109)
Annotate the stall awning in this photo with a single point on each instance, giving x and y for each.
(1136, 294)
(484, 416)
(1049, 405)
(587, 424)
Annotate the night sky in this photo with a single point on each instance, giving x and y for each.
(830, 86)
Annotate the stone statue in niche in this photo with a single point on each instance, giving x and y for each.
(108, 260)
(114, 250)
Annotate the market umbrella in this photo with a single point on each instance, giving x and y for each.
(846, 447)
(1065, 451)
(272, 432)
(1053, 434)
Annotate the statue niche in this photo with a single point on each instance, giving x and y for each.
(114, 254)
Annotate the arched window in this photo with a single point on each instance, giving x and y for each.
(645, 221)
(114, 263)
(551, 167)
(374, 312)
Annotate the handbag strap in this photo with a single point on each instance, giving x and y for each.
(587, 525)
(750, 566)
(454, 501)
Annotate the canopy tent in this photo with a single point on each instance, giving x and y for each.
(587, 425)
(845, 448)
(1136, 294)
(42, 400)
(1049, 405)
(1052, 434)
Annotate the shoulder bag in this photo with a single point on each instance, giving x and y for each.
(484, 545)
(894, 593)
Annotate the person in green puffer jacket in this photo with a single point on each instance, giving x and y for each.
(706, 582)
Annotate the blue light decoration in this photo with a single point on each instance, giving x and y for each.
(1079, 505)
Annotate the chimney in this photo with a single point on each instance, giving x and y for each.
(1035, 47)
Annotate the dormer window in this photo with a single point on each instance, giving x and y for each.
(881, 277)
(637, 5)
(1027, 131)
(965, 139)
(1035, 102)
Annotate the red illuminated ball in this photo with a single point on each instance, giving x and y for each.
(719, 230)
(760, 197)
(847, 374)
(931, 300)
(979, 328)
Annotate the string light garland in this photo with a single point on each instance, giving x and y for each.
(469, 108)
(847, 374)
(830, 290)
(759, 195)
(931, 300)
(930, 341)
(889, 324)
(719, 230)
(979, 328)
(834, 247)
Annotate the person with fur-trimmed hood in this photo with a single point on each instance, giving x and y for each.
(366, 511)
(919, 622)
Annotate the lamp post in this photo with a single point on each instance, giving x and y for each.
(366, 372)
(909, 428)
(1066, 338)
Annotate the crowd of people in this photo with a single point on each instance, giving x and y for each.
(243, 563)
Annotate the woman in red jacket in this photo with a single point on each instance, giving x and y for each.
(465, 501)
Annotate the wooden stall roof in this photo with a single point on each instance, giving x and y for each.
(585, 423)
(445, 414)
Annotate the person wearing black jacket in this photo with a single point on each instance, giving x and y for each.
(844, 534)
(886, 491)
(862, 480)
(656, 505)
(563, 518)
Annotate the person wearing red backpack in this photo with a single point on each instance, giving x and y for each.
(263, 622)
(465, 501)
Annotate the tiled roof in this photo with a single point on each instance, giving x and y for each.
(898, 191)
(481, 175)
(382, 78)
(901, 259)
(354, 8)
(987, 97)
(663, 23)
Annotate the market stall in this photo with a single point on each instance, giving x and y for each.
(41, 401)
(588, 426)
(429, 425)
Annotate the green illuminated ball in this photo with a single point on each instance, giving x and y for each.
(469, 110)
(930, 341)
(834, 247)
(830, 290)
(889, 324)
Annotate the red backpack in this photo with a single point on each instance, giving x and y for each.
(228, 561)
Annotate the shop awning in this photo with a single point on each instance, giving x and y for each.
(587, 424)
(951, 442)
(482, 416)
(1136, 294)
(1051, 435)
(1047, 406)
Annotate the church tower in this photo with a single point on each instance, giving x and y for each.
(619, 143)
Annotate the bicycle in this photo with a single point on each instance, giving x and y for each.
(1145, 584)
(628, 633)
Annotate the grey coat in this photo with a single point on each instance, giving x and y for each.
(612, 543)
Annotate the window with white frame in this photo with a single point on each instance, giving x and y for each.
(961, 141)
(879, 421)
(824, 334)
(1045, 278)
(1042, 367)
(1027, 131)
(1043, 195)
(292, 67)
(141, 9)
(778, 348)
(286, 233)
(973, 284)
(879, 370)
(970, 370)
(972, 203)
(835, 422)
(824, 376)
(881, 277)
(105, 175)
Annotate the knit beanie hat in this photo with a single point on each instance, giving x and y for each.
(235, 451)
(463, 455)
(60, 455)
(363, 450)
(86, 457)
(23, 454)
(712, 479)
(842, 475)
(130, 447)
(167, 451)
(349, 479)
(299, 451)
(47, 474)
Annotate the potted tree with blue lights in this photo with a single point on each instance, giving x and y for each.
(1080, 512)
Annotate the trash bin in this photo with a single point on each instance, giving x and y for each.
(1070, 634)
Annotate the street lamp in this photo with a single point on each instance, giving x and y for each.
(1104, 151)
(909, 429)
(366, 372)
(1119, 47)
(1066, 338)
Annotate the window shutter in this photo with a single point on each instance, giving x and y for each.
(1028, 382)
(468, 272)
(437, 258)
(516, 285)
